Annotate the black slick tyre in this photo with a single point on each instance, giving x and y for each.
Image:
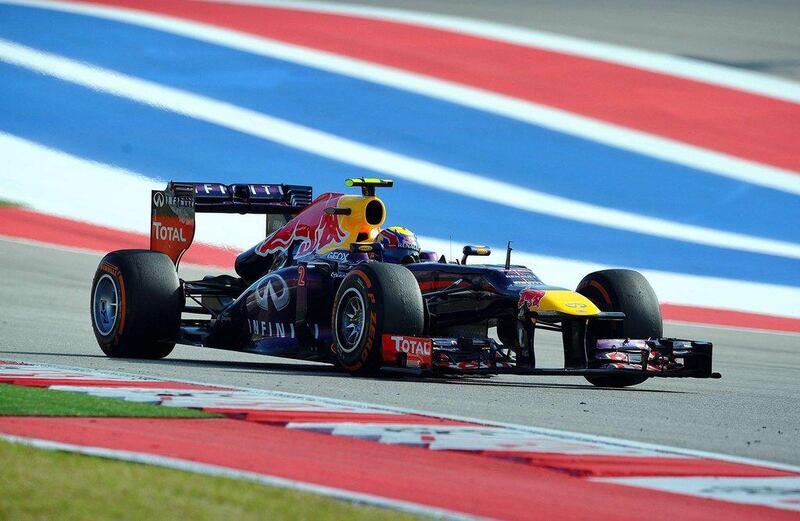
(629, 292)
(374, 299)
(136, 304)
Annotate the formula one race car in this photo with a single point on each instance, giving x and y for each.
(329, 284)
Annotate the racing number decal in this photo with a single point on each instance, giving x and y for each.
(301, 275)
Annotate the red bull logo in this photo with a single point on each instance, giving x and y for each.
(530, 298)
(315, 229)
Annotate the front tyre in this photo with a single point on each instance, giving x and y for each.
(136, 304)
(629, 292)
(374, 299)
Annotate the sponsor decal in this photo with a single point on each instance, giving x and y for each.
(172, 200)
(530, 299)
(264, 190)
(418, 351)
(168, 233)
(261, 328)
(211, 189)
(171, 223)
(314, 229)
(399, 237)
(338, 256)
(254, 190)
(108, 267)
(523, 277)
(576, 305)
(272, 291)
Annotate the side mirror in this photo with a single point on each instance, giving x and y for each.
(480, 251)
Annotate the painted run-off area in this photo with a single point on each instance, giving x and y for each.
(293, 439)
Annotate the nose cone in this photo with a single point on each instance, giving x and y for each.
(566, 301)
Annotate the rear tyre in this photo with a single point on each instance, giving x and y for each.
(136, 304)
(375, 298)
(629, 292)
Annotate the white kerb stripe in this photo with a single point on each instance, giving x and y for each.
(715, 163)
(376, 159)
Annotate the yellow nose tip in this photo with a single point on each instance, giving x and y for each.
(568, 302)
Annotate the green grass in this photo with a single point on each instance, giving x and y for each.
(3, 202)
(16, 400)
(40, 484)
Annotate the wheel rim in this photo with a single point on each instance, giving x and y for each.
(350, 320)
(105, 305)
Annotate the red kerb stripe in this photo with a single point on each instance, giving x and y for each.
(468, 483)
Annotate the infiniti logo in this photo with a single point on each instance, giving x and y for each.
(158, 199)
(272, 289)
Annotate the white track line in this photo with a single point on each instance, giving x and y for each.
(50, 181)
(376, 159)
(672, 65)
(665, 149)
(225, 472)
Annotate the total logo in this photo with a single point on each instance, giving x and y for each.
(411, 345)
(408, 350)
(168, 233)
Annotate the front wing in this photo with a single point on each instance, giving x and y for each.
(660, 357)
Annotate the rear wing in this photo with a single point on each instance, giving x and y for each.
(173, 209)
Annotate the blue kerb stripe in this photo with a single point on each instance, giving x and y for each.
(163, 145)
(414, 125)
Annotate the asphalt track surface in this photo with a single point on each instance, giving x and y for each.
(755, 36)
(752, 411)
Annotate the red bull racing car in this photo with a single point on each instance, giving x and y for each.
(329, 283)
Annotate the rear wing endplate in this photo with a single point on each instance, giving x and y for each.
(172, 210)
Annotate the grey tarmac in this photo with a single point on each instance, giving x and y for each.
(753, 411)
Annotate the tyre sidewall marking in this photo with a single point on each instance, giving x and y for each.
(363, 282)
(602, 290)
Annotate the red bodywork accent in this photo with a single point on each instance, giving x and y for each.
(530, 298)
(171, 236)
(312, 226)
(171, 222)
(418, 351)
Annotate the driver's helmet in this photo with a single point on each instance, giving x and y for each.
(400, 245)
